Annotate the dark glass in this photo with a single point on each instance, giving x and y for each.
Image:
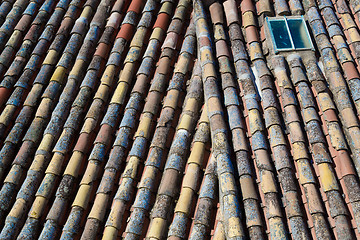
(299, 34)
(281, 35)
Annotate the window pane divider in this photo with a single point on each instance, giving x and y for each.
(291, 39)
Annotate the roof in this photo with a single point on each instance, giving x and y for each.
(177, 119)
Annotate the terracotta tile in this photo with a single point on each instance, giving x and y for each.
(216, 13)
(247, 5)
(135, 6)
(102, 50)
(222, 49)
(252, 34)
(345, 163)
(231, 12)
(324, 20)
(126, 32)
(162, 21)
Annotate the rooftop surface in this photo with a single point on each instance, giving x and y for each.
(166, 119)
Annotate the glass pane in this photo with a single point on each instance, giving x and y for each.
(299, 33)
(281, 35)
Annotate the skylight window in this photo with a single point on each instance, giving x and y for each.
(289, 34)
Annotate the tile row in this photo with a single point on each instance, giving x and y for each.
(27, 67)
(43, 152)
(277, 137)
(104, 137)
(257, 134)
(153, 159)
(233, 104)
(228, 194)
(337, 85)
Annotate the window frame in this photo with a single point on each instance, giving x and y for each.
(293, 48)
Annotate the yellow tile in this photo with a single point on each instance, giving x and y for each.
(204, 115)
(55, 164)
(102, 92)
(127, 72)
(348, 21)
(219, 32)
(51, 58)
(283, 79)
(78, 67)
(249, 19)
(255, 50)
(144, 127)
(267, 182)
(171, 99)
(59, 75)
(73, 166)
(156, 228)
(327, 177)
(90, 172)
(191, 105)
(108, 75)
(44, 108)
(234, 227)
(5, 117)
(182, 64)
(191, 176)
(336, 136)
(354, 35)
(131, 167)
(18, 209)
(304, 175)
(201, 23)
(82, 196)
(89, 125)
(247, 191)
(14, 39)
(46, 143)
(186, 122)
(325, 101)
(148, 175)
(338, 40)
(86, 13)
(277, 228)
(37, 207)
(255, 121)
(206, 54)
(184, 202)
(99, 207)
(120, 93)
(157, 33)
(299, 151)
(14, 175)
(197, 153)
(180, 12)
(110, 233)
(219, 233)
(209, 71)
(38, 163)
(137, 41)
(227, 183)
(166, 8)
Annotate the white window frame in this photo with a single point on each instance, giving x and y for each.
(293, 48)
